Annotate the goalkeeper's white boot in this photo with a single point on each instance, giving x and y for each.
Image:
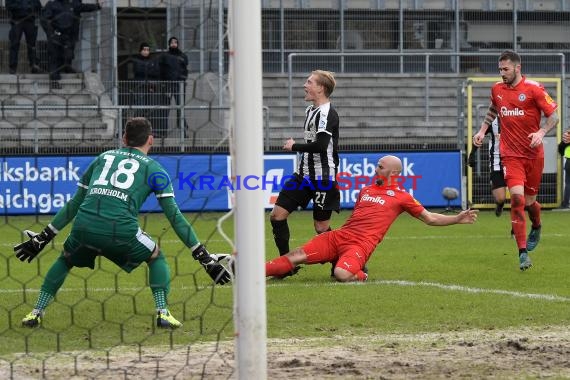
(165, 320)
(33, 319)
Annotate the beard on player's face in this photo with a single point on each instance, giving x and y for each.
(509, 78)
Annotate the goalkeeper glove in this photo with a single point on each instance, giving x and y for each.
(28, 250)
(211, 264)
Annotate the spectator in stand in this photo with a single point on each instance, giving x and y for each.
(174, 70)
(147, 90)
(59, 20)
(78, 8)
(24, 16)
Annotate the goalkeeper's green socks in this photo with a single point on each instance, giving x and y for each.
(43, 300)
(34, 319)
(159, 299)
(53, 281)
(159, 280)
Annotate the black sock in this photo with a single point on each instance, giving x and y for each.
(281, 235)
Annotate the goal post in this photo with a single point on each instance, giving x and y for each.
(246, 83)
(478, 181)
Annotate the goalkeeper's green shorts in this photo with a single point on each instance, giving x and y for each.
(81, 248)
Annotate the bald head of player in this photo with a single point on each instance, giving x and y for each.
(388, 168)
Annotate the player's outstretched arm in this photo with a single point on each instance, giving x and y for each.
(468, 216)
(29, 249)
(178, 222)
(211, 264)
(67, 213)
(184, 230)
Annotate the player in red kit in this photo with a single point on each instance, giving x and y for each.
(519, 104)
(376, 208)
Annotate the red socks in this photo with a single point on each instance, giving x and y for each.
(534, 214)
(278, 266)
(518, 219)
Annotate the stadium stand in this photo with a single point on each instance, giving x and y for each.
(34, 116)
(380, 98)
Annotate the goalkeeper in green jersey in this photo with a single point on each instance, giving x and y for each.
(105, 207)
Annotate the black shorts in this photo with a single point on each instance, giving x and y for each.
(298, 191)
(497, 179)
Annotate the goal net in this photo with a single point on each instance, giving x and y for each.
(102, 322)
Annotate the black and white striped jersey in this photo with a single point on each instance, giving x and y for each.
(494, 157)
(324, 164)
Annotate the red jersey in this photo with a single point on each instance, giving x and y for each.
(519, 110)
(376, 209)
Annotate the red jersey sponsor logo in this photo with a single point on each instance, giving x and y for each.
(368, 198)
(514, 112)
(520, 109)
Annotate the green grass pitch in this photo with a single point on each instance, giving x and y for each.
(421, 279)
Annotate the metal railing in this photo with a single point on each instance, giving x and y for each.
(426, 55)
(100, 132)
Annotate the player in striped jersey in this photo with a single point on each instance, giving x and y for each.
(564, 150)
(498, 184)
(315, 178)
(105, 212)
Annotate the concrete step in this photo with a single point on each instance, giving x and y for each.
(51, 116)
(366, 128)
(364, 80)
(355, 113)
(39, 84)
(368, 136)
(26, 99)
(57, 142)
(69, 124)
(351, 102)
(77, 106)
(365, 92)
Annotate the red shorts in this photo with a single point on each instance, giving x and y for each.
(525, 172)
(349, 252)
